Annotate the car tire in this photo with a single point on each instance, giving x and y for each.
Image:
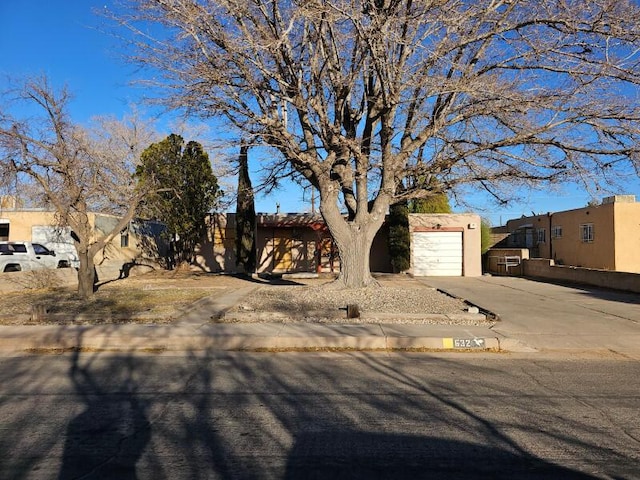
(13, 268)
(64, 264)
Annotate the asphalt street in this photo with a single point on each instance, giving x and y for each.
(224, 415)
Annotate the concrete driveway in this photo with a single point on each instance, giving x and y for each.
(548, 316)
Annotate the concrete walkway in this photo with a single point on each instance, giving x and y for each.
(534, 316)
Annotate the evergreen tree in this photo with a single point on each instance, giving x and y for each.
(438, 203)
(245, 216)
(485, 235)
(399, 237)
(185, 191)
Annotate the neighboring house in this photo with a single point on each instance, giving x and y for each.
(532, 233)
(605, 236)
(140, 239)
(442, 244)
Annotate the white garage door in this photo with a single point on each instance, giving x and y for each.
(437, 254)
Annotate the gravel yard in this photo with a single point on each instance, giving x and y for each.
(324, 304)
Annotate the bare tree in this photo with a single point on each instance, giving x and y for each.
(75, 170)
(372, 100)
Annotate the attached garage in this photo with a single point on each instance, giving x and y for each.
(437, 254)
(445, 244)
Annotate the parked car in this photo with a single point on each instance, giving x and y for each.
(58, 239)
(22, 256)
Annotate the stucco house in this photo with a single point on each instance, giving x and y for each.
(441, 244)
(139, 240)
(604, 236)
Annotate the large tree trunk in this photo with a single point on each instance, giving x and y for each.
(355, 249)
(86, 274)
(354, 239)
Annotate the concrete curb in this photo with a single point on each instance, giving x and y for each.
(245, 337)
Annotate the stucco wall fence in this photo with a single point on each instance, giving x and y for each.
(545, 268)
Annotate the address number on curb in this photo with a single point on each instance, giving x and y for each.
(464, 343)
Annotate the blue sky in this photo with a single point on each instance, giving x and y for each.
(64, 39)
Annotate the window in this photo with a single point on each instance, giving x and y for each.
(4, 231)
(124, 239)
(586, 232)
(40, 250)
(19, 248)
(556, 231)
(542, 235)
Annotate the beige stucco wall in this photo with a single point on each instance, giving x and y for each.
(289, 249)
(616, 235)
(468, 223)
(278, 249)
(571, 250)
(545, 268)
(216, 252)
(627, 236)
(22, 221)
(379, 259)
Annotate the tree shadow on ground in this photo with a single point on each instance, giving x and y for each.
(126, 270)
(250, 419)
(359, 455)
(224, 415)
(108, 438)
(265, 279)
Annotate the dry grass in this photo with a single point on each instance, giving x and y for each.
(158, 297)
(114, 305)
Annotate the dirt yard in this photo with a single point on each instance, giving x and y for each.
(162, 297)
(156, 297)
